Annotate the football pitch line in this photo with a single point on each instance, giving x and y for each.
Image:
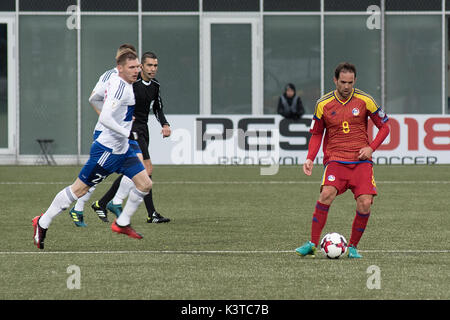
(227, 182)
(196, 252)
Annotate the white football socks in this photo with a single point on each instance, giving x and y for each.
(79, 205)
(60, 203)
(134, 200)
(126, 185)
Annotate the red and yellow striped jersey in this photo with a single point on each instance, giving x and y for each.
(345, 124)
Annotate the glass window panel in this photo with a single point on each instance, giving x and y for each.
(291, 5)
(447, 60)
(413, 5)
(175, 41)
(3, 85)
(413, 64)
(45, 5)
(349, 5)
(231, 68)
(170, 5)
(48, 84)
(101, 36)
(230, 5)
(109, 5)
(347, 38)
(291, 55)
(8, 5)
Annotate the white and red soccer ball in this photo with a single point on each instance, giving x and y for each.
(333, 245)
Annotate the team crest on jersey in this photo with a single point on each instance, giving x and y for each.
(355, 111)
(331, 178)
(381, 113)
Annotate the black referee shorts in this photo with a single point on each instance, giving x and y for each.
(143, 141)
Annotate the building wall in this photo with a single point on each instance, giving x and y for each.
(400, 55)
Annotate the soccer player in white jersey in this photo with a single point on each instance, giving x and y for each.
(110, 153)
(96, 101)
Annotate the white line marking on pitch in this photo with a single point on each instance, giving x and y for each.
(203, 252)
(229, 182)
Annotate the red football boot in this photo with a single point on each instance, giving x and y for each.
(39, 233)
(128, 230)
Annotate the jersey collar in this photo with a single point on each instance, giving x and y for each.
(346, 101)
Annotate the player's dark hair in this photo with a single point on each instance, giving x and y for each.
(344, 67)
(127, 54)
(148, 55)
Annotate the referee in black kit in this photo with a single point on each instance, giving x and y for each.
(147, 96)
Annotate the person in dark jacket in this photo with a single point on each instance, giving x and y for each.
(290, 105)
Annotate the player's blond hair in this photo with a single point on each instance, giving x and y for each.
(126, 54)
(124, 47)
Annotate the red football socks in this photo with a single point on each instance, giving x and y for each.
(318, 222)
(358, 227)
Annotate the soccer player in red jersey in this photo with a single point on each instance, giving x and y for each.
(343, 116)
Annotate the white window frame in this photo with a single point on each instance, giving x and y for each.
(12, 92)
(205, 57)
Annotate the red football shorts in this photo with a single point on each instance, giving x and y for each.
(357, 177)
